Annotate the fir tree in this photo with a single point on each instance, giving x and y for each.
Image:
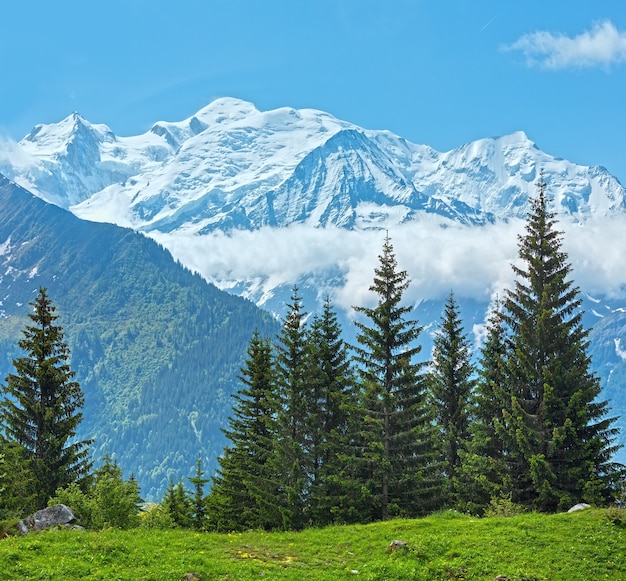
(483, 477)
(331, 383)
(556, 433)
(451, 384)
(199, 500)
(178, 504)
(40, 410)
(295, 405)
(245, 491)
(396, 436)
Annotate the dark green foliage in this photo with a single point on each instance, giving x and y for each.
(395, 429)
(41, 406)
(555, 431)
(451, 384)
(331, 380)
(294, 410)
(245, 492)
(110, 501)
(18, 486)
(199, 500)
(177, 502)
(483, 474)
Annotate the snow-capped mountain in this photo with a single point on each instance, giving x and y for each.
(231, 166)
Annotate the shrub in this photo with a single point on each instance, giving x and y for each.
(503, 506)
(616, 515)
(110, 502)
(156, 516)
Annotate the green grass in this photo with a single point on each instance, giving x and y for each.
(583, 546)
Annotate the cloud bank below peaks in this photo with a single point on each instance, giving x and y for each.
(439, 256)
(602, 46)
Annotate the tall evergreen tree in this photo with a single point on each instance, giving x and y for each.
(331, 383)
(451, 383)
(395, 425)
(41, 406)
(178, 504)
(483, 475)
(245, 491)
(295, 405)
(199, 501)
(557, 436)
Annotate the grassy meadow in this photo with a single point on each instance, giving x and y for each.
(585, 546)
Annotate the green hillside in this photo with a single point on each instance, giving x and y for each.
(581, 546)
(157, 350)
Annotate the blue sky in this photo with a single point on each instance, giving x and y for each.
(441, 72)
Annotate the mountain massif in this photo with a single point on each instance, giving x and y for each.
(231, 192)
(233, 166)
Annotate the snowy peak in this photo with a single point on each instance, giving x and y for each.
(56, 137)
(226, 110)
(231, 165)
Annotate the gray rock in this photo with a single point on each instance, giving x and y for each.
(397, 545)
(579, 506)
(52, 516)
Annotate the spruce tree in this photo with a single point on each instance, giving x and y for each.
(199, 501)
(245, 491)
(331, 383)
(178, 504)
(41, 406)
(483, 477)
(451, 383)
(294, 408)
(558, 439)
(396, 434)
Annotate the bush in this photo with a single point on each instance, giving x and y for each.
(503, 506)
(616, 515)
(110, 502)
(157, 516)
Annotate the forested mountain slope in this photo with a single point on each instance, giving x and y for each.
(156, 348)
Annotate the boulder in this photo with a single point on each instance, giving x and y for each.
(397, 545)
(579, 506)
(52, 516)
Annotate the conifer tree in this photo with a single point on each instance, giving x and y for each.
(395, 423)
(41, 406)
(245, 491)
(556, 433)
(178, 504)
(199, 501)
(331, 383)
(295, 405)
(483, 475)
(451, 383)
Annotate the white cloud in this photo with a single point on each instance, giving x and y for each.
(596, 250)
(601, 46)
(12, 156)
(474, 262)
(438, 257)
